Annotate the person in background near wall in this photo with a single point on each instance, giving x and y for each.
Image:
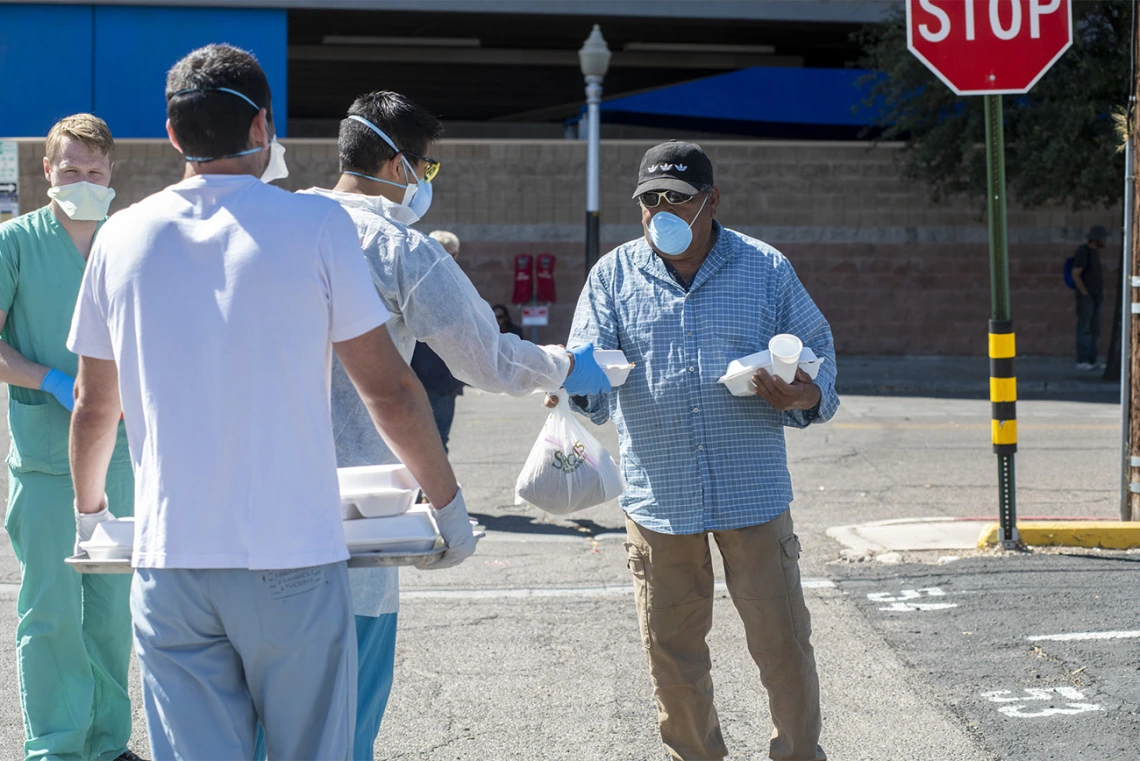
(440, 384)
(449, 241)
(1088, 277)
(506, 325)
(74, 632)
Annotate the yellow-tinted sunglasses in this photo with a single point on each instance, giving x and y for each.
(432, 165)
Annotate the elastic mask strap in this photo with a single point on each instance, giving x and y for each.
(408, 173)
(375, 129)
(201, 159)
(217, 89)
(700, 209)
(375, 179)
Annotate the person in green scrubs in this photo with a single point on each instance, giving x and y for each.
(74, 632)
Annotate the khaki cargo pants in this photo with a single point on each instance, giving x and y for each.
(673, 584)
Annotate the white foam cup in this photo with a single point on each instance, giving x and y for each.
(785, 349)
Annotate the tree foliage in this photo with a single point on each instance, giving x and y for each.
(1062, 142)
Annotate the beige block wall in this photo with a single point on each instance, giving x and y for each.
(893, 272)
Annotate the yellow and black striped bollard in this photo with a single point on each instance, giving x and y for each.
(1003, 401)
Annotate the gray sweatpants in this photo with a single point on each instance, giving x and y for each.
(220, 649)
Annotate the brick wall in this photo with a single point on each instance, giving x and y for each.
(894, 273)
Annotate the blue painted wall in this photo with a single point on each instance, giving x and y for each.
(112, 61)
(45, 66)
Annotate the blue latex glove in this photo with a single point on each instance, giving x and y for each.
(61, 386)
(587, 378)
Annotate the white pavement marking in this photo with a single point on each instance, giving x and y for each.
(1084, 635)
(601, 590)
(899, 606)
(1041, 694)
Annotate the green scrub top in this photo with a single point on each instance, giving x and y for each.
(40, 274)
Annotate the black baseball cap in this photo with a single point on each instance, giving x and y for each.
(1098, 232)
(675, 165)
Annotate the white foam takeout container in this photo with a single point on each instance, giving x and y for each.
(614, 364)
(412, 531)
(738, 377)
(376, 491)
(111, 540)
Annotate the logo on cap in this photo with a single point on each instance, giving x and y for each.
(666, 167)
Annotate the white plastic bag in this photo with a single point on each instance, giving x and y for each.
(567, 470)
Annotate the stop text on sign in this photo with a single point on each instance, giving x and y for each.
(989, 46)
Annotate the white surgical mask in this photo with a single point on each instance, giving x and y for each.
(83, 201)
(669, 234)
(276, 169)
(417, 195)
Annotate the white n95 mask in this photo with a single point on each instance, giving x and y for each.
(83, 201)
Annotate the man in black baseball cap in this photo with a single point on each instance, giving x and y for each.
(683, 302)
(674, 165)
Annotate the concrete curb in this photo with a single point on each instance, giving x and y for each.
(1112, 535)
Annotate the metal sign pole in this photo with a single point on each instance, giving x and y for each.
(1126, 318)
(1003, 382)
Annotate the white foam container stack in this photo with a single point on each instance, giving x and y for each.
(376, 491)
(111, 540)
(413, 531)
(738, 377)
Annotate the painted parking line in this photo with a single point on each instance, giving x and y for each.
(1078, 636)
(599, 590)
(974, 426)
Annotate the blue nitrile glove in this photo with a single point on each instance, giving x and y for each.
(61, 386)
(586, 378)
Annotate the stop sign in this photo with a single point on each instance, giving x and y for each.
(988, 47)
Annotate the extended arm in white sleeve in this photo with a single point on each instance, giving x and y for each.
(443, 309)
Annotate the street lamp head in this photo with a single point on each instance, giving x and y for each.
(594, 55)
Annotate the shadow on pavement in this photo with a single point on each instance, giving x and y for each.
(525, 524)
(1038, 378)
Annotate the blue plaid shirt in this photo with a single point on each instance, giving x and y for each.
(696, 458)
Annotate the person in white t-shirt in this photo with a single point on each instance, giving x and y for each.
(211, 309)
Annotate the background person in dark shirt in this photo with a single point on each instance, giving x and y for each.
(506, 325)
(1088, 276)
(441, 386)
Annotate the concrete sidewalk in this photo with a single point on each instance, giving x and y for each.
(968, 378)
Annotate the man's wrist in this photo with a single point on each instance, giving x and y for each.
(99, 507)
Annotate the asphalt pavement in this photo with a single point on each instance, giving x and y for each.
(530, 651)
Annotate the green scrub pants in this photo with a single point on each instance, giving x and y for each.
(73, 639)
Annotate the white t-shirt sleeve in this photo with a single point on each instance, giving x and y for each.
(90, 334)
(354, 305)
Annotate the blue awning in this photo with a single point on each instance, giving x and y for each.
(773, 101)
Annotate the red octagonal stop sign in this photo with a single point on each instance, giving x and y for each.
(987, 47)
